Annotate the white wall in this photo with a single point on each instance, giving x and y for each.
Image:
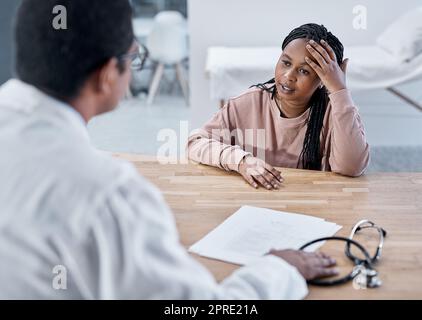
(267, 22)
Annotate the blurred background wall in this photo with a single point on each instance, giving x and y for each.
(7, 10)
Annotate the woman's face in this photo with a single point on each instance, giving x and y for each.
(296, 81)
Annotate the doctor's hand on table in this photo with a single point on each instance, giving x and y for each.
(311, 265)
(257, 172)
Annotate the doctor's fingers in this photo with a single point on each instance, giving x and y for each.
(320, 260)
(324, 255)
(325, 272)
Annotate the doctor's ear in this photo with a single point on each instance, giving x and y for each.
(107, 76)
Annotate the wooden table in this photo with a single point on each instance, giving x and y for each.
(201, 197)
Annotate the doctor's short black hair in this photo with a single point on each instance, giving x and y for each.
(57, 55)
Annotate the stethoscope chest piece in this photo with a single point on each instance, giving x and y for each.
(364, 277)
(373, 279)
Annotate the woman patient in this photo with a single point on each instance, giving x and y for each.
(302, 118)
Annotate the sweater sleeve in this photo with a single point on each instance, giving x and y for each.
(349, 150)
(211, 144)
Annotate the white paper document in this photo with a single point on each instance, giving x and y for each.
(251, 232)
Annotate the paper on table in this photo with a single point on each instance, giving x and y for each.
(251, 232)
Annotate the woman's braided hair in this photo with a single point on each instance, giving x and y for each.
(310, 157)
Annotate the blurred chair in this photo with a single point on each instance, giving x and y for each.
(167, 44)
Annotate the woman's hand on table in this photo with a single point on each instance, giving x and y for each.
(256, 172)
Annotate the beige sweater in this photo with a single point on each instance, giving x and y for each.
(251, 124)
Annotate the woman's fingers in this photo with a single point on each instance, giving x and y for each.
(262, 181)
(258, 172)
(274, 172)
(321, 51)
(265, 178)
(274, 182)
(250, 180)
(269, 177)
(329, 50)
(272, 179)
(314, 66)
(317, 56)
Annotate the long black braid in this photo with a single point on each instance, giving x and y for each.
(310, 157)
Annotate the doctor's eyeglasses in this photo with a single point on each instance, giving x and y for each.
(137, 58)
(363, 273)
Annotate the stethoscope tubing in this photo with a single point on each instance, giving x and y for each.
(367, 262)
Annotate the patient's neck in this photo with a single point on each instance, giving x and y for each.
(291, 109)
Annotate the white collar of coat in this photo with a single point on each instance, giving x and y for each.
(24, 98)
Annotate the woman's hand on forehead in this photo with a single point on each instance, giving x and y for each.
(325, 65)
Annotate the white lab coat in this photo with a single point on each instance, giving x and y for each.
(76, 223)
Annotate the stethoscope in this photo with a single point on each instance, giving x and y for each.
(363, 267)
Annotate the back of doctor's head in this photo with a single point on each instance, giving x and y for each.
(60, 43)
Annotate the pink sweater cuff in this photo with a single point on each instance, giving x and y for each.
(231, 158)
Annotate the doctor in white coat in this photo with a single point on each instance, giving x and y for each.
(78, 224)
